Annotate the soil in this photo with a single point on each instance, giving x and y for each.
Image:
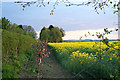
(49, 69)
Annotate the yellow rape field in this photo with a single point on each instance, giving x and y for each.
(76, 56)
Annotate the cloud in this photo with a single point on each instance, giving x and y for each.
(75, 35)
(38, 34)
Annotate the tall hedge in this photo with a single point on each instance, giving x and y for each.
(15, 51)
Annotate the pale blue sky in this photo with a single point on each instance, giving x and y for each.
(69, 18)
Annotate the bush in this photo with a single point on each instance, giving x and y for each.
(16, 51)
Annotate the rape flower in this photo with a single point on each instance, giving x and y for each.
(110, 58)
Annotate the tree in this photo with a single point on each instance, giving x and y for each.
(62, 31)
(13, 27)
(26, 30)
(20, 26)
(52, 34)
(1, 23)
(41, 32)
(59, 34)
(45, 34)
(29, 28)
(56, 35)
(5, 23)
(33, 33)
(50, 27)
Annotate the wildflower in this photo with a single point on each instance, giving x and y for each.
(89, 57)
(110, 58)
(113, 54)
(77, 51)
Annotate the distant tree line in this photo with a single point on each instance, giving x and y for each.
(52, 34)
(22, 29)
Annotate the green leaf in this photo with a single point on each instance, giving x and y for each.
(99, 36)
(111, 2)
(105, 41)
(115, 5)
(106, 4)
(116, 29)
(106, 30)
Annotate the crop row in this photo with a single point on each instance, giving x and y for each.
(76, 56)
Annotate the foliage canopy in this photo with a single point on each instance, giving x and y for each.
(52, 34)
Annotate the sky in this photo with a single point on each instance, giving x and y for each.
(76, 21)
(44, 0)
(55, 0)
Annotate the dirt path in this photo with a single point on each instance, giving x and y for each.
(49, 69)
(52, 69)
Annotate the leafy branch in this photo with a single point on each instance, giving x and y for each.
(41, 54)
(97, 5)
(101, 36)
